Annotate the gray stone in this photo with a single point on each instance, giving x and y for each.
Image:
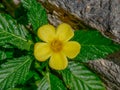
(108, 71)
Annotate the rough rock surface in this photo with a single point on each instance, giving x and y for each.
(103, 15)
(108, 71)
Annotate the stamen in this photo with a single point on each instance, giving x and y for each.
(56, 45)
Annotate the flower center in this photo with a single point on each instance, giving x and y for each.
(56, 45)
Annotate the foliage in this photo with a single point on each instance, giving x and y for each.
(36, 13)
(51, 82)
(20, 71)
(78, 76)
(13, 33)
(94, 45)
(14, 71)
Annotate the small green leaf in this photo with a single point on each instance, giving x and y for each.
(14, 72)
(44, 83)
(5, 54)
(56, 83)
(15, 89)
(93, 45)
(13, 33)
(51, 82)
(36, 13)
(78, 77)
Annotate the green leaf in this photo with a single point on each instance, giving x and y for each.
(51, 82)
(13, 33)
(93, 45)
(36, 13)
(78, 77)
(4, 54)
(14, 72)
(15, 89)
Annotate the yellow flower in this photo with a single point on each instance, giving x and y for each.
(56, 45)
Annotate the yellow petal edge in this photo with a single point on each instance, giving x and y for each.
(46, 33)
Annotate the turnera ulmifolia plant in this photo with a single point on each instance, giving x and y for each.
(56, 45)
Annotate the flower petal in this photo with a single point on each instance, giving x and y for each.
(42, 51)
(46, 33)
(71, 49)
(64, 32)
(58, 61)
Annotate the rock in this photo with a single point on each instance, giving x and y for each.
(103, 15)
(108, 71)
